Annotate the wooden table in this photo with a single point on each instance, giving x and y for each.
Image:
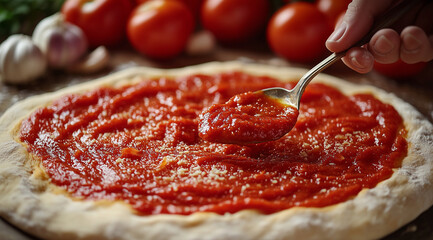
(418, 92)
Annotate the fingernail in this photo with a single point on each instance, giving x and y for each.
(411, 43)
(356, 63)
(361, 62)
(338, 33)
(383, 45)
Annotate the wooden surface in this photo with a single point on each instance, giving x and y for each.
(417, 91)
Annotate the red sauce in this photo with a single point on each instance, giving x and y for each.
(140, 144)
(246, 118)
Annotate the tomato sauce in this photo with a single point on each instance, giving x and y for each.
(140, 144)
(251, 117)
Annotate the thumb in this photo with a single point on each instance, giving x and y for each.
(356, 23)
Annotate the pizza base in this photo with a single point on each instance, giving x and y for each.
(28, 201)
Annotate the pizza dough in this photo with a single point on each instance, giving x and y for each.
(32, 204)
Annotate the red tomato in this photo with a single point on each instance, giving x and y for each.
(102, 21)
(298, 32)
(160, 29)
(193, 5)
(234, 21)
(399, 69)
(138, 2)
(332, 8)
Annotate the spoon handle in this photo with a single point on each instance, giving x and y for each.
(386, 20)
(298, 90)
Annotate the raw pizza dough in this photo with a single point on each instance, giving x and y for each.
(28, 201)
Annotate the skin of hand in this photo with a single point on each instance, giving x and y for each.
(411, 41)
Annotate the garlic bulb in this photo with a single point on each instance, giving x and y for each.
(63, 43)
(20, 60)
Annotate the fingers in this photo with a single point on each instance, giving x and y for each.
(412, 45)
(359, 59)
(355, 24)
(385, 46)
(416, 46)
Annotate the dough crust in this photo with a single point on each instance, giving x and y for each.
(31, 203)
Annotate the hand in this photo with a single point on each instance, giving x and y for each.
(413, 44)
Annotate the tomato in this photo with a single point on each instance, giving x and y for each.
(193, 5)
(332, 8)
(138, 2)
(399, 69)
(102, 21)
(298, 32)
(160, 29)
(234, 21)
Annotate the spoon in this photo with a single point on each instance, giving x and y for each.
(293, 97)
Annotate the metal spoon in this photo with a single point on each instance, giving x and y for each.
(293, 97)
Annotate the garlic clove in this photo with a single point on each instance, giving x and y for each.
(95, 61)
(21, 61)
(201, 43)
